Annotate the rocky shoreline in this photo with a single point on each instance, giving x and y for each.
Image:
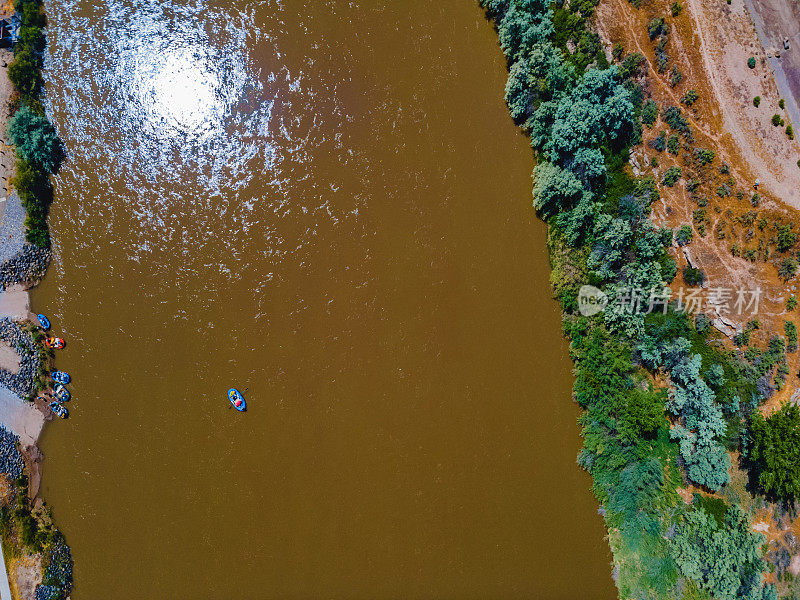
(38, 561)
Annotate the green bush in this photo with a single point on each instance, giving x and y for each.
(675, 76)
(703, 156)
(690, 97)
(672, 175)
(751, 62)
(787, 268)
(684, 235)
(673, 144)
(776, 120)
(786, 237)
(30, 12)
(774, 454)
(781, 103)
(693, 276)
(657, 27)
(31, 37)
(756, 101)
(649, 112)
(790, 329)
(25, 73)
(35, 139)
(33, 186)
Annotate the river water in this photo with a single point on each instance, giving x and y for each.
(326, 205)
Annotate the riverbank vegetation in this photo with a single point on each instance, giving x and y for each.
(664, 401)
(26, 531)
(39, 151)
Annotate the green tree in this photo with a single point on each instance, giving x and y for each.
(722, 560)
(774, 457)
(787, 268)
(554, 188)
(672, 175)
(31, 37)
(25, 73)
(35, 138)
(649, 112)
(684, 235)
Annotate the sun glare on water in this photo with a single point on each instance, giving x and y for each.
(183, 90)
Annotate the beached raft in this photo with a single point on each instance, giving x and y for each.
(61, 392)
(60, 410)
(60, 377)
(55, 342)
(43, 321)
(236, 398)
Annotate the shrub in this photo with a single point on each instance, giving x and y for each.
(756, 101)
(787, 268)
(675, 8)
(669, 268)
(742, 338)
(672, 176)
(786, 237)
(720, 558)
(693, 276)
(774, 454)
(790, 132)
(791, 303)
(659, 142)
(617, 50)
(25, 73)
(675, 76)
(631, 65)
(674, 118)
(657, 27)
(35, 138)
(751, 62)
(781, 103)
(33, 186)
(649, 112)
(31, 37)
(690, 97)
(684, 235)
(790, 329)
(703, 156)
(673, 144)
(776, 120)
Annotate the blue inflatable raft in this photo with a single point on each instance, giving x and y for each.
(60, 377)
(44, 322)
(61, 392)
(236, 398)
(59, 410)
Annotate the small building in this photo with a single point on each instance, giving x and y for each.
(9, 31)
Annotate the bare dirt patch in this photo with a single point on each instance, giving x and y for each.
(26, 574)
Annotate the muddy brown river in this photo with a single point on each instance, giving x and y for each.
(325, 205)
